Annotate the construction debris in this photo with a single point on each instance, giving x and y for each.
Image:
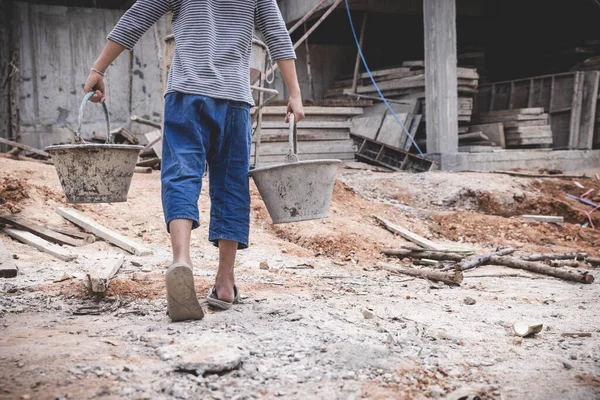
(8, 269)
(544, 218)
(40, 230)
(524, 330)
(526, 127)
(102, 272)
(110, 236)
(453, 279)
(511, 262)
(40, 244)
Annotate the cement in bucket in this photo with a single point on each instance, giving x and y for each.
(94, 173)
(297, 190)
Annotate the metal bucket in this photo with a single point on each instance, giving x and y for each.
(297, 190)
(94, 173)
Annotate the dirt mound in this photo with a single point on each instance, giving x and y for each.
(12, 192)
(496, 231)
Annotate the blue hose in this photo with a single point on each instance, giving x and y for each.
(412, 139)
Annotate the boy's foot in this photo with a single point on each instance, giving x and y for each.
(182, 302)
(213, 298)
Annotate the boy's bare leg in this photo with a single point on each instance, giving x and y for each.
(225, 279)
(181, 232)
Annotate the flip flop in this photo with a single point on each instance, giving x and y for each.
(214, 300)
(182, 302)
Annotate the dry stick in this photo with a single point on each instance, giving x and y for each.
(512, 262)
(476, 261)
(593, 261)
(561, 256)
(453, 279)
(566, 263)
(576, 334)
(431, 255)
(462, 252)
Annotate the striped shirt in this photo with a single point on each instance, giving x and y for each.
(213, 42)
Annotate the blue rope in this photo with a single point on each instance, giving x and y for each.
(375, 83)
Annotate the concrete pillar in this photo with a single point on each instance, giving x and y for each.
(441, 91)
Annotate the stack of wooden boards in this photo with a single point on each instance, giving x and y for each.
(524, 127)
(323, 134)
(61, 242)
(570, 100)
(408, 82)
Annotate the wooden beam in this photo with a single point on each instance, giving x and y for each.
(358, 58)
(25, 147)
(101, 274)
(8, 268)
(408, 235)
(40, 230)
(40, 244)
(110, 236)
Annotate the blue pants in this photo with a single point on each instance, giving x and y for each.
(200, 130)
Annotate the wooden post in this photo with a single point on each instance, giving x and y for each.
(14, 97)
(308, 69)
(441, 85)
(358, 59)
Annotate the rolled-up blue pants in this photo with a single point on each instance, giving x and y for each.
(200, 130)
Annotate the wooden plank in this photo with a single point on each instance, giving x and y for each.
(73, 232)
(588, 110)
(309, 125)
(576, 107)
(91, 226)
(417, 118)
(528, 141)
(495, 132)
(40, 244)
(477, 149)
(103, 271)
(304, 135)
(319, 147)
(155, 137)
(544, 218)
(368, 124)
(152, 162)
(472, 136)
(40, 230)
(516, 124)
(8, 268)
(282, 110)
(508, 118)
(518, 111)
(25, 147)
(391, 133)
(410, 236)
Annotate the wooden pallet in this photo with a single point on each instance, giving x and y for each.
(395, 159)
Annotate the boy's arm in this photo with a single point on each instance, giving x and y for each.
(134, 23)
(270, 24)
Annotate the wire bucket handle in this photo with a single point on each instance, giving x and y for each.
(292, 155)
(109, 136)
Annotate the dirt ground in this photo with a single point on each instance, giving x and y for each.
(322, 322)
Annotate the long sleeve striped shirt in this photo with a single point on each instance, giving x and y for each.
(213, 40)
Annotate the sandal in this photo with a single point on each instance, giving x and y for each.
(182, 302)
(214, 301)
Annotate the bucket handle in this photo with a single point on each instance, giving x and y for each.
(292, 155)
(78, 139)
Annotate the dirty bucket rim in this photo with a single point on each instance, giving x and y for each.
(306, 162)
(94, 146)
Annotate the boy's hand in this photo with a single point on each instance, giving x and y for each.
(95, 82)
(295, 106)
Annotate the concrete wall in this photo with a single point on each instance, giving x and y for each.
(58, 46)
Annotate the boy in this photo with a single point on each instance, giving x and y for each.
(207, 119)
